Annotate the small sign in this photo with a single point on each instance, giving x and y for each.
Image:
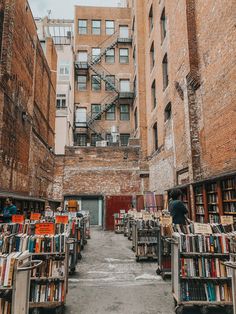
(48, 213)
(226, 220)
(122, 211)
(166, 220)
(202, 228)
(45, 228)
(18, 219)
(138, 215)
(72, 214)
(35, 216)
(61, 219)
(147, 216)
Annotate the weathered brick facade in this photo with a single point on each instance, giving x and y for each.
(27, 103)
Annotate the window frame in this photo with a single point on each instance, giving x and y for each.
(110, 28)
(152, 56)
(123, 80)
(99, 83)
(83, 83)
(107, 88)
(94, 113)
(112, 57)
(61, 98)
(163, 25)
(151, 19)
(153, 94)
(168, 112)
(109, 112)
(95, 138)
(83, 27)
(155, 137)
(124, 114)
(95, 56)
(125, 58)
(136, 119)
(83, 139)
(96, 28)
(124, 136)
(165, 75)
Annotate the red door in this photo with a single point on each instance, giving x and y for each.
(113, 205)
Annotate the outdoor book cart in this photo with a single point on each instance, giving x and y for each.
(178, 295)
(146, 243)
(18, 293)
(164, 257)
(232, 265)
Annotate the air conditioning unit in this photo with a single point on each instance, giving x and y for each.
(101, 143)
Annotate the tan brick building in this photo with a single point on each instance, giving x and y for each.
(27, 107)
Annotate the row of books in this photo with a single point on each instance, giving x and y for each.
(146, 224)
(213, 218)
(193, 290)
(146, 250)
(53, 267)
(215, 243)
(203, 267)
(229, 184)
(5, 306)
(147, 239)
(215, 227)
(229, 195)
(7, 263)
(212, 198)
(47, 292)
(229, 207)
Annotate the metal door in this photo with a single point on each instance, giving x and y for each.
(92, 205)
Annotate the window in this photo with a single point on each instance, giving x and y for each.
(124, 55)
(82, 56)
(82, 82)
(134, 56)
(135, 86)
(165, 72)
(111, 79)
(124, 31)
(150, 19)
(155, 136)
(96, 83)
(95, 110)
(61, 101)
(124, 113)
(109, 138)
(81, 117)
(96, 54)
(124, 85)
(64, 72)
(111, 113)
(96, 27)
(110, 27)
(154, 100)
(80, 139)
(163, 25)
(83, 27)
(124, 139)
(152, 56)
(135, 119)
(168, 112)
(110, 56)
(95, 138)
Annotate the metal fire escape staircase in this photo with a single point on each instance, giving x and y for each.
(94, 63)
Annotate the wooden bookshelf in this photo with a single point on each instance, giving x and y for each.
(228, 190)
(199, 202)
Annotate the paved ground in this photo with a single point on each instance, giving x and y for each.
(109, 280)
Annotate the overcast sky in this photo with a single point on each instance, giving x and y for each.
(64, 8)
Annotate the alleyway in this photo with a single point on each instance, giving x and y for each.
(108, 280)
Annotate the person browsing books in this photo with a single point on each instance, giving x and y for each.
(9, 210)
(176, 207)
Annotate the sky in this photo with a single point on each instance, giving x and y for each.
(65, 8)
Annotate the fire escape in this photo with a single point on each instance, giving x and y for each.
(115, 95)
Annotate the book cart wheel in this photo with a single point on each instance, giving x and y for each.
(79, 256)
(158, 271)
(137, 258)
(179, 309)
(204, 310)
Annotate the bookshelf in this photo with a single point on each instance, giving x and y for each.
(228, 187)
(199, 276)
(119, 223)
(146, 240)
(212, 199)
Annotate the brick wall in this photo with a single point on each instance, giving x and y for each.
(27, 104)
(97, 171)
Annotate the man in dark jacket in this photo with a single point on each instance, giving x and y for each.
(9, 210)
(177, 208)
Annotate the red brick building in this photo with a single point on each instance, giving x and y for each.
(27, 107)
